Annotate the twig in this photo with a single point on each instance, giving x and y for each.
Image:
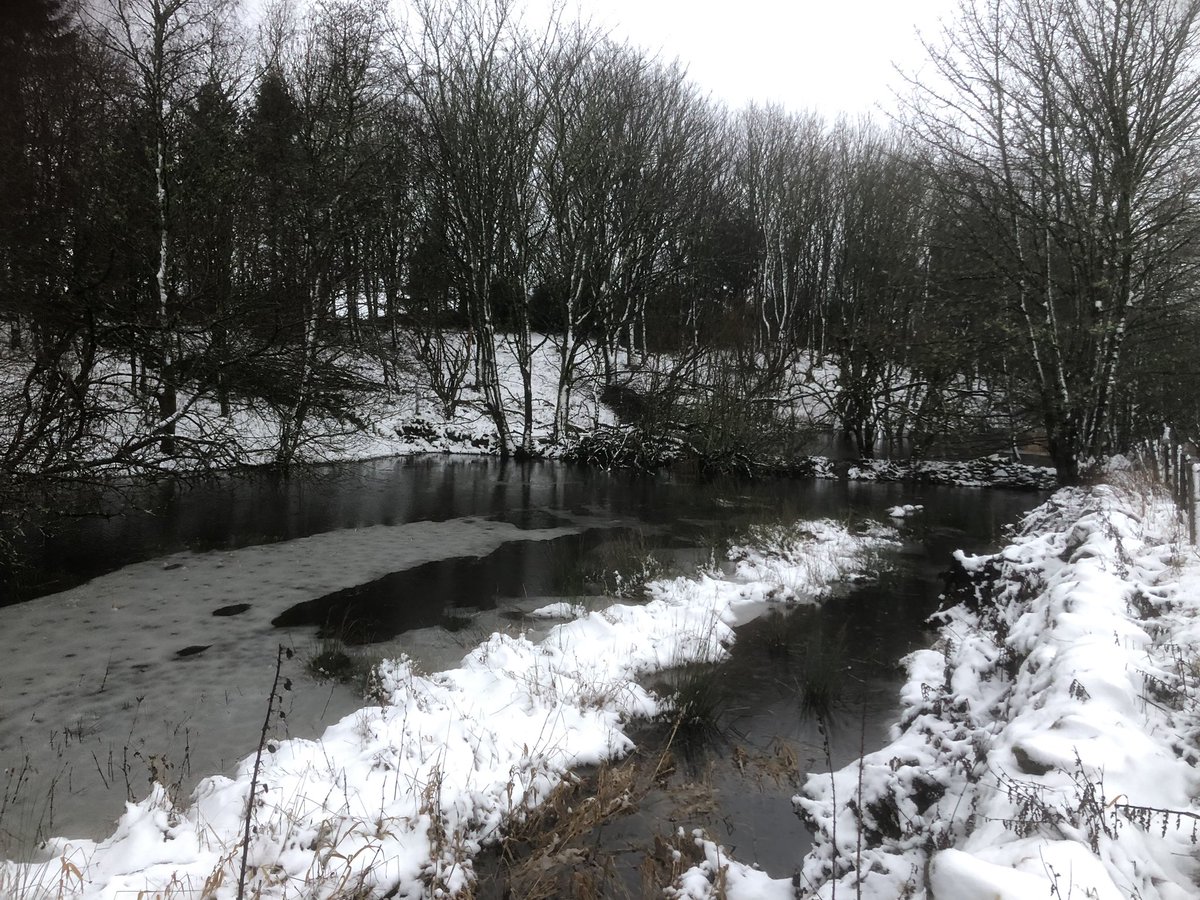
(1133, 807)
(862, 753)
(823, 727)
(262, 742)
(99, 771)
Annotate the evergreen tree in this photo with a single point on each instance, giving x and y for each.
(211, 176)
(273, 227)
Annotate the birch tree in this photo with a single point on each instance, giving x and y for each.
(163, 44)
(670, 170)
(786, 175)
(613, 173)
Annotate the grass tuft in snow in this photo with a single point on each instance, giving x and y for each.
(546, 853)
(331, 660)
(555, 849)
(620, 567)
(699, 696)
(819, 673)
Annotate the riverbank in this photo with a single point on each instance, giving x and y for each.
(401, 795)
(604, 429)
(649, 417)
(396, 415)
(1048, 745)
(400, 419)
(1048, 742)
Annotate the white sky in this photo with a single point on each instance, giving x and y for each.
(831, 56)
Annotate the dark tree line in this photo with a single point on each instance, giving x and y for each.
(192, 212)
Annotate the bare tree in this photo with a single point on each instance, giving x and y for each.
(786, 174)
(613, 166)
(337, 69)
(675, 160)
(877, 286)
(483, 104)
(1072, 126)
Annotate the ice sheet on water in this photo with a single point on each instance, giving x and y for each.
(98, 669)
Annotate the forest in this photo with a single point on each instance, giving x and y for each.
(200, 208)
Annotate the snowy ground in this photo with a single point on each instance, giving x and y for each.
(403, 794)
(996, 470)
(1049, 745)
(405, 417)
(396, 413)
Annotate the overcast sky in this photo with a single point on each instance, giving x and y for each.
(832, 56)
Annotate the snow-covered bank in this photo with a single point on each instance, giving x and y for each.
(996, 470)
(1049, 741)
(401, 795)
(396, 413)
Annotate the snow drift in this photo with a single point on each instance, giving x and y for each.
(1048, 745)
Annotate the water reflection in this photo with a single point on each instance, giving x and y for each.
(242, 510)
(445, 592)
(807, 691)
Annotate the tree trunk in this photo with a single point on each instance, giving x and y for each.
(167, 401)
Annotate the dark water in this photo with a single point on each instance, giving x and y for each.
(241, 510)
(661, 510)
(850, 647)
(445, 592)
(734, 772)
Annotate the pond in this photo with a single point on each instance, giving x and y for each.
(161, 664)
